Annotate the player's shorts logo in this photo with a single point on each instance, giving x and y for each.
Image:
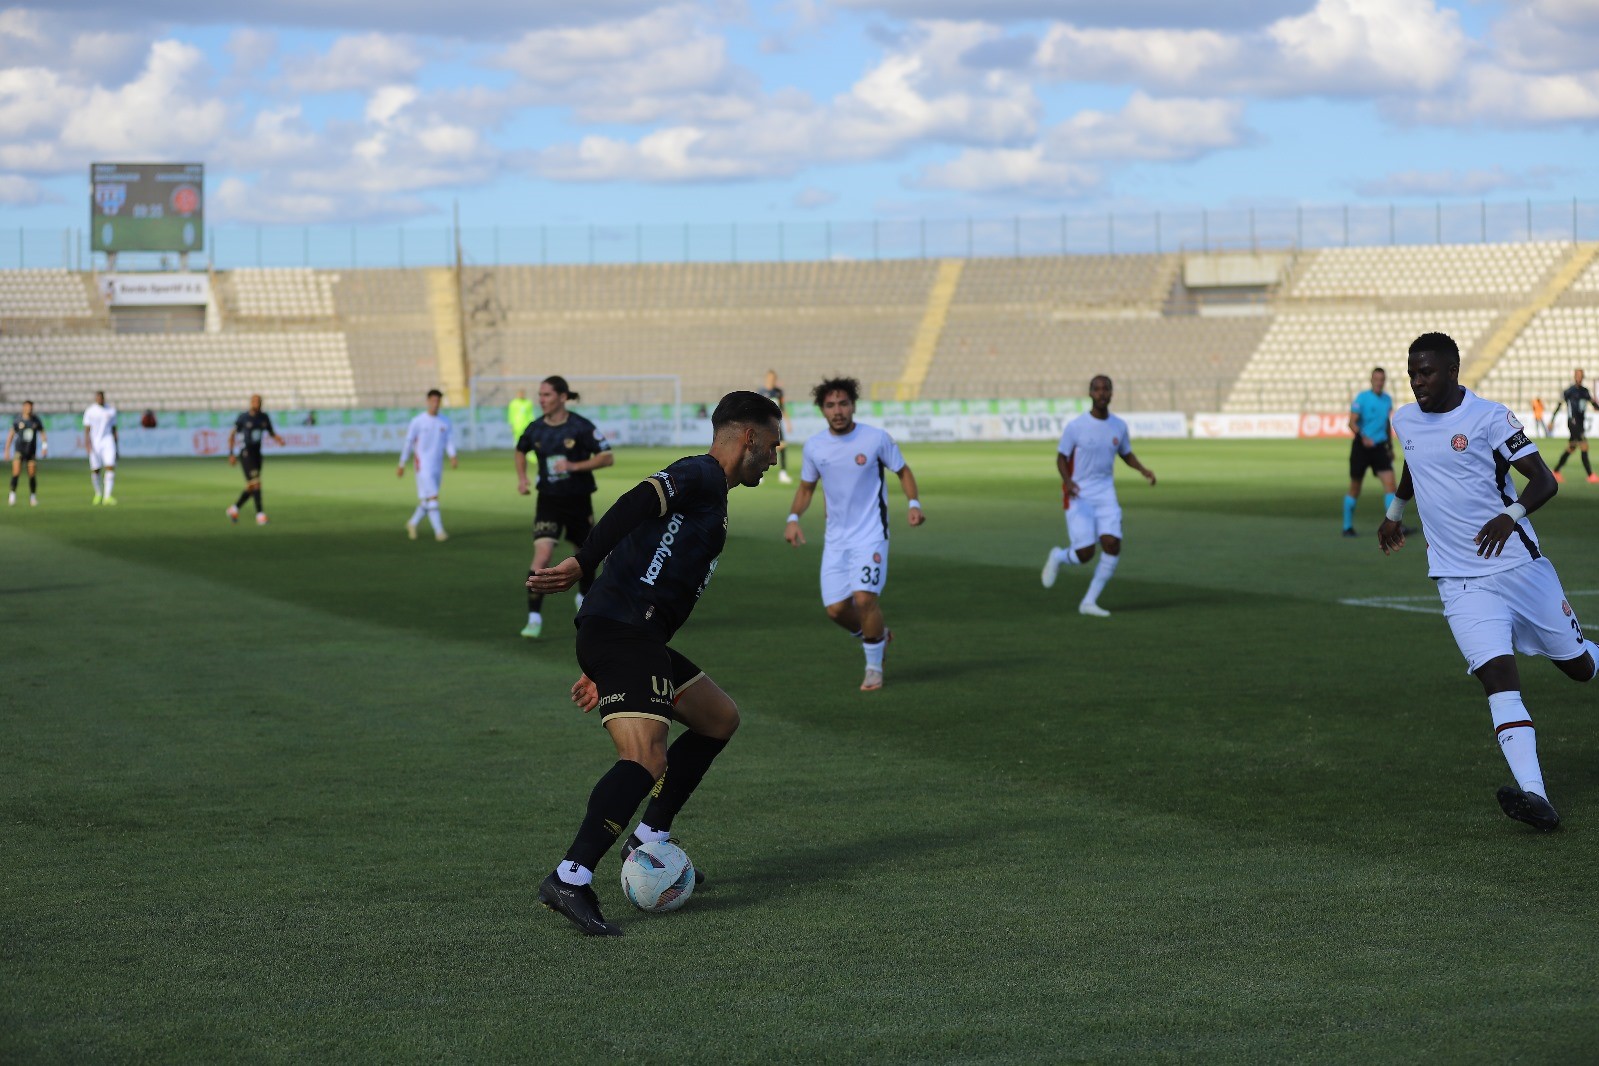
(1459, 442)
(1565, 606)
(860, 460)
(877, 557)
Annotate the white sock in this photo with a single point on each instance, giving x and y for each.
(1067, 556)
(1102, 573)
(94, 477)
(433, 516)
(110, 479)
(1517, 740)
(416, 515)
(579, 603)
(874, 654)
(648, 835)
(534, 618)
(572, 873)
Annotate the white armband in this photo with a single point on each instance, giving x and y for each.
(1516, 512)
(1396, 510)
(915, 505)
(793, 518)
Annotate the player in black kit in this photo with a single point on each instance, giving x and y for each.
(250, 428)
(659, 543)
(1577, 400)
(568, 449)
(27, 432)
(774, 392)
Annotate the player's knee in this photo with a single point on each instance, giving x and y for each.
(1085, 554)
(1111, 545)
(837, 611)
(864, 601)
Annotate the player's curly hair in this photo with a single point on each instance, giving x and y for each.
(744, 408)
(1439, 344)
(848, 386)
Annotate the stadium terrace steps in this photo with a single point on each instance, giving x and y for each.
(45, 294)
(920, 359)
(1567, 271)
(1540, 360)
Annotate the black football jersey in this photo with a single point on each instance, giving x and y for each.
(28, 431)
(575, 440)
(253, 429)
(656, 575)
(1577, 399)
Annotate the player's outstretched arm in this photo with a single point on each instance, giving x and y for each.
(1539, 490)
(1391, 534)
(907, 481)
(802, 501)
(1132, 460)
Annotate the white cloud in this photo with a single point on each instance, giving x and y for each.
(1548, 36)
(1020, 170)
(19, 191)
(1150, 129)
(354, 64)
(252, 50)
(1165, 13)
(30, 38)
(479, 19)
(1511, 98)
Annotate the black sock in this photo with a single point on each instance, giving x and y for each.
(256, 495)
(686, 762)
(1562, 462)
(611, 805)
(535, 600)
(782, 460)
(33, 484)
(1586, 465)
(14, 482)
(244, 497)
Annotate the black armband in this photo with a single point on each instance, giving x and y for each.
(632, 509)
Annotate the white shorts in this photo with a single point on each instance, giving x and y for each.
(851, 568)
(427, 483)
(1089, 518)
(103, 454)
(1522, 609)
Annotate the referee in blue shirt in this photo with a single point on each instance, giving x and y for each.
(1371, 449)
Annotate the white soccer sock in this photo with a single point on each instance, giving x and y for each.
(433, 516)
(94, 478)
(1067, 556)
(416, 515)
(572, 873)
(648, 835)
(1102, 573)
(578, 601)
(110, 479)
(534, 618)
(1517, 740)
(874, 654)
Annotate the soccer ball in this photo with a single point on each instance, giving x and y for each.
(658, 877)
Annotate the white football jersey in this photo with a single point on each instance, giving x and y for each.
(430, 438)
(1459, 464)
(851, 468)
(1091, 446)
(99, 421)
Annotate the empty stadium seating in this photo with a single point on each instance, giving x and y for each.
(1542, 358)
(1425, 270)
(43, 294)
(282, 293)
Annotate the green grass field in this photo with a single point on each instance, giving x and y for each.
(285, 794)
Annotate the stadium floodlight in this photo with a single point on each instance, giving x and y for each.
(658, 399)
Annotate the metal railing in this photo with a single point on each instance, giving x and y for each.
(1110, 233)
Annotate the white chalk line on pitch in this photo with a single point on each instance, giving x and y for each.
(1415, 604)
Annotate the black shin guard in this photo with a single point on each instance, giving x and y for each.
(686, 762)
(1586, 464)
(611, 805)
(14, 482)
(256, 495)
(1562, 460)
(535, 600)
(244, 498)
(33, 484)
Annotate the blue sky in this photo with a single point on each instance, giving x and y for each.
(631, 111)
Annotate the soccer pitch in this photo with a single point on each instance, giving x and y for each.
(285, 794)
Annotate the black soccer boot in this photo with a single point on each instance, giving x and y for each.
(1528, 807)
(578, 905)
(633, 842)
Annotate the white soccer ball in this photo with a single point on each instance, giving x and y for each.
(658, 877)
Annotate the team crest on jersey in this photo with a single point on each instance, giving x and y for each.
(1459, 442)
(1115, 442)
(570, 442)
(860, 460)
(1566, 606)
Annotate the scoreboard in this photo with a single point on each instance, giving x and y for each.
(147, 207)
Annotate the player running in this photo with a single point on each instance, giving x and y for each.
(1500, 594)
(430, 437)
(249, 430)
(659, 542)
(850, 459)
(27, 432)
(1086, 461)
(569, 448)
(100, 441)
(1577, 400)
(1371, 449)
(774, 392)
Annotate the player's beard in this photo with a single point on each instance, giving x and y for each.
(751, 470)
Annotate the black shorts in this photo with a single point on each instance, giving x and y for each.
(1578, 428)
(571, 516)
(250, 465)
(26, 455)
(1378, 459)
(635, 674)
